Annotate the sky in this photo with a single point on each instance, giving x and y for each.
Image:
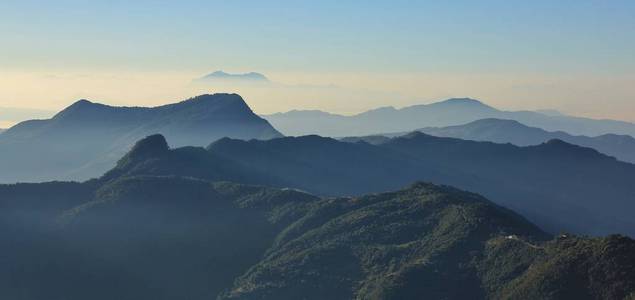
(340, 56)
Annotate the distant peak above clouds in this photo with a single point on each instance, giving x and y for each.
(234, 77)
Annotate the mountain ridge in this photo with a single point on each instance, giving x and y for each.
(511, 131)
(455, 111)
(86, 139)
(536, 181)
(168, 237)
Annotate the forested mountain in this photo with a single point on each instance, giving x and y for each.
(556, 185)
(86, 139)
(445, 113)
(508, 131)
(149, 237)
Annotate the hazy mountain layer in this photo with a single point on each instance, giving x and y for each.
(86, 139)
(446, 113)
(507, 131)
(558, 186)
(222, 76)
(185, 238)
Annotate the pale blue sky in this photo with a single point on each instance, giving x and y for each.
(376, 36)
(576, 56)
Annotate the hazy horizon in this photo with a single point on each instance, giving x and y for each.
(286, 92)
(520, 56)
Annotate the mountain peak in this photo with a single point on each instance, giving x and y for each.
(495, 122)
(219, 103)
(421, 185)
(222, 142)
(222, 75)
(82, 102)
(218, 73)
(80, 109)
(150, 146)
(378, 111)
(217, 97)
(463, 101)
(415, 135)
(560, 146)
(558, 143)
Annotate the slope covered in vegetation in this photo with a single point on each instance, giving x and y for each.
(170, 237)
(556, 185)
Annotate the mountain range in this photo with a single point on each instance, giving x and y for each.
(450, 112)
(556, 185)
(508, 131)
(171, 237)
(621, 147)
(86, 139)
(231, 209)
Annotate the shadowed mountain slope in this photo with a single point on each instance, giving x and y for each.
(508, 131)
(557, 185)
(86, 139)
(149, 237)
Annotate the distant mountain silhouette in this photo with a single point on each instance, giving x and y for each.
(550, 112)
(86, 139)
(445, 113)
(222, 76)
(508, 131)
(167, 237)
(557, 185)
